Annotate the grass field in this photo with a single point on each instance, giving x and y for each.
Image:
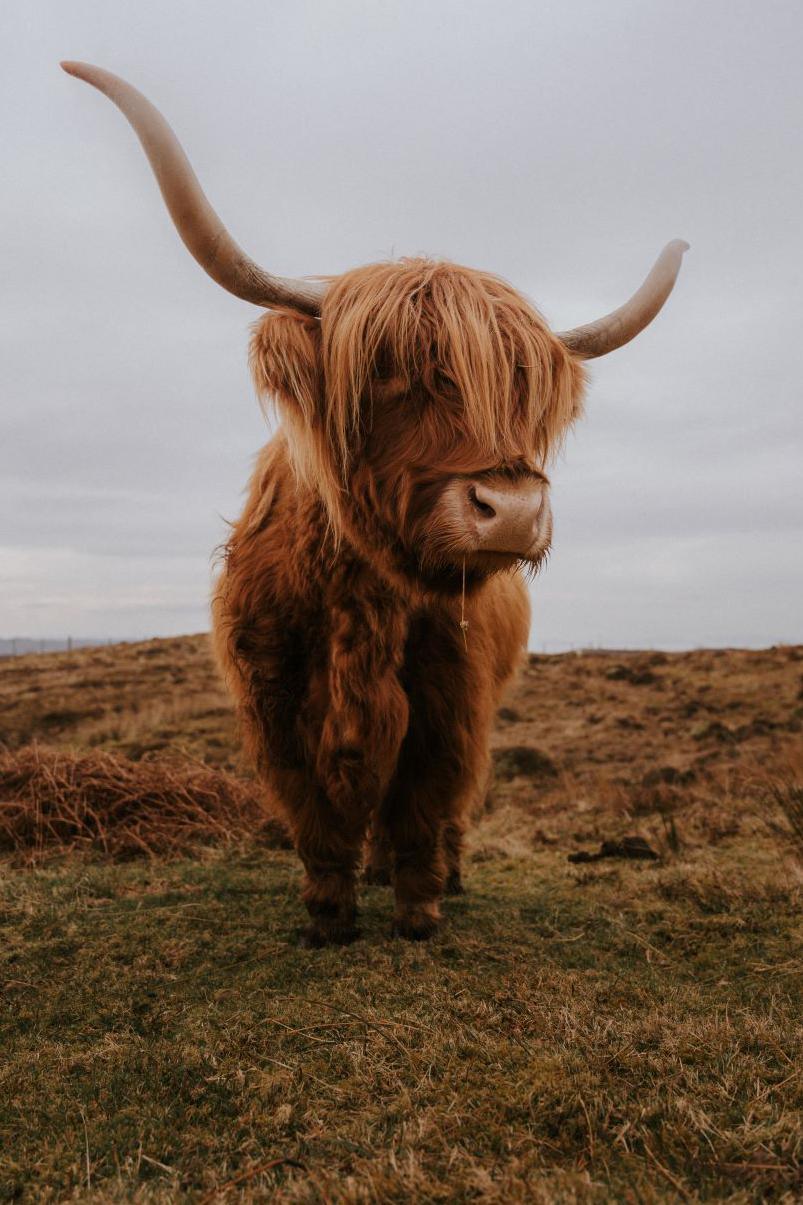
(607, 1031)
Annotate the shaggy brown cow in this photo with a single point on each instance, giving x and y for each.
(373, 604)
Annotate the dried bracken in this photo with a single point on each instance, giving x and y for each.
(56, 800)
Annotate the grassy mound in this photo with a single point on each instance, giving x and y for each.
(95, 801)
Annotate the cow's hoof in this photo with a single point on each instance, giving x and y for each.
(454, 884)
(332, 933)
(376, 876)
(415, 926)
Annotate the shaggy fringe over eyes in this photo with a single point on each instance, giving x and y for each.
(454, 331)
(489, 370)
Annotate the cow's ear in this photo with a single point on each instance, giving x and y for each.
(565, 401)
(570, 379)
(286, 364)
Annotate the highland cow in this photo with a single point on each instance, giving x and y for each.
(373, 602)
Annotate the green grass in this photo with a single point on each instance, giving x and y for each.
(620, 1032)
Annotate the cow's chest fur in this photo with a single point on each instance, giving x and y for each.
(391, 684)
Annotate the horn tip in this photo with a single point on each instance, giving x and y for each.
(71, 67)
(79, 70)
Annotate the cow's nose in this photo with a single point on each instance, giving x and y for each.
(505, 516)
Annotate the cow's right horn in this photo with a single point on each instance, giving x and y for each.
(622, 325)
(201, 230)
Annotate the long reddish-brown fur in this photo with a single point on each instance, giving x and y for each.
(337, 615)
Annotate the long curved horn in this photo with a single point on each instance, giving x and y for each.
(622, 325)
(200, 228)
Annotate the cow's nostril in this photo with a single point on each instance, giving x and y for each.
(484, 508)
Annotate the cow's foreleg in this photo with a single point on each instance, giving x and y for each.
(419, 869)
(361, 733)
(440, 764)
(379, 856)
(329, 846)
(452, 837)
(424, 814)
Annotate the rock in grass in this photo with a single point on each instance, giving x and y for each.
(628, 847)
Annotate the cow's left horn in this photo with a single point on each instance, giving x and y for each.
(622, 325)
(203, 233)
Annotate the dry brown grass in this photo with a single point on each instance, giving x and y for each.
(781, 792)
(98, 802)
(134, 699)
(624, 717)
(612, 1031)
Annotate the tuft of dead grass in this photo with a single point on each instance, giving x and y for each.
(782, 794)
(54, 799)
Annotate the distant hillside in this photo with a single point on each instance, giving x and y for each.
(616, 715)
(19, 646)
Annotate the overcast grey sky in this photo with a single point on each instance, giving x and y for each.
(558, 144)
